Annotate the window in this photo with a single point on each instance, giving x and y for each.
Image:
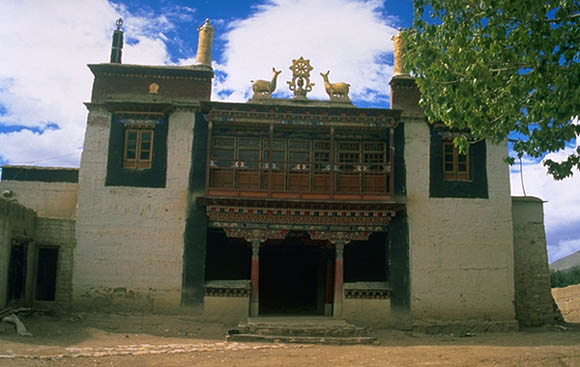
(249, 152)
(349, 166)
(454, 175)
(138, 152)
(455, 164)
(362, 166)
(223, 152)
(137, 149)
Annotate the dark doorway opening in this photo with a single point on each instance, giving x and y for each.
(17, 270)
(367, 261)
(226, 258)
(293, 277)
(46, 273)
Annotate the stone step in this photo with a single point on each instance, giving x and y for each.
(301, 339)
(300, 327)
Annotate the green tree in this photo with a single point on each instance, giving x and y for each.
(501, 66)
(566, 277)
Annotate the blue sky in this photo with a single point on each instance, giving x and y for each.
(47, 44)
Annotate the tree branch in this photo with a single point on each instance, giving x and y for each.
(571, 17)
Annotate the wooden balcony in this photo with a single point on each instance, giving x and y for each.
(296, 180)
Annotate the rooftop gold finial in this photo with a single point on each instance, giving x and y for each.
(399, 50)
(204, 44)
(300, 83)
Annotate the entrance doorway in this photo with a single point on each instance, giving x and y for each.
(17, 269)
(294, 277)
(46, 273)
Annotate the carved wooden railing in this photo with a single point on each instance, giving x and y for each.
(318, 180)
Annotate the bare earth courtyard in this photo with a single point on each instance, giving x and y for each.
(158, 340)
(119, 340)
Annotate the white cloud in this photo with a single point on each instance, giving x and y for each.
(562, 207)
(563, 249)
(43, 74)
(349, 38)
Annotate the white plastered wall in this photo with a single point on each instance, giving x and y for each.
(461, 249)
(129, 252)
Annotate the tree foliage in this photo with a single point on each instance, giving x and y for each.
(564, 278)
(501, 66)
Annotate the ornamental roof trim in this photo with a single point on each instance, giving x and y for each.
(300, 115)
(131, 70)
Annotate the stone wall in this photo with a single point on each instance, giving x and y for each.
(130, 240)
(534, 304)
(55, 232)
(48, 199)
(15, 221)
(461, 249)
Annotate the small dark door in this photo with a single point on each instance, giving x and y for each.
(17, 270)
(46, 273)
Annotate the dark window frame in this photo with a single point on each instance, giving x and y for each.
(456, 165)
(119, 173)
(137, 161)
(440, 187)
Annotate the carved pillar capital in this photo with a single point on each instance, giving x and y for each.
(256, 242)
(337, 236)
(253, 235)
(339, 246)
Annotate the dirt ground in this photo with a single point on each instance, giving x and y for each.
(73, 339)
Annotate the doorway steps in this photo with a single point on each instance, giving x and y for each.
(303, 330)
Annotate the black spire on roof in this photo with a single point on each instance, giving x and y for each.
(117, 49)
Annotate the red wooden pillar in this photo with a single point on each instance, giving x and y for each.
(329, 291)
(338, 279)
(255, 278)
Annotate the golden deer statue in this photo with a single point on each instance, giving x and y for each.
(264, 88)
(335, 90)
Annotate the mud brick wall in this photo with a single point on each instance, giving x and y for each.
(46, 190)
(461, 249)
(54, 232)
(130, 240)
(460, 253)
(532, 277)
(15, 220)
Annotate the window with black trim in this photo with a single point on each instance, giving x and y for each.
(455, 175)
(455, 164)
(137, 150)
